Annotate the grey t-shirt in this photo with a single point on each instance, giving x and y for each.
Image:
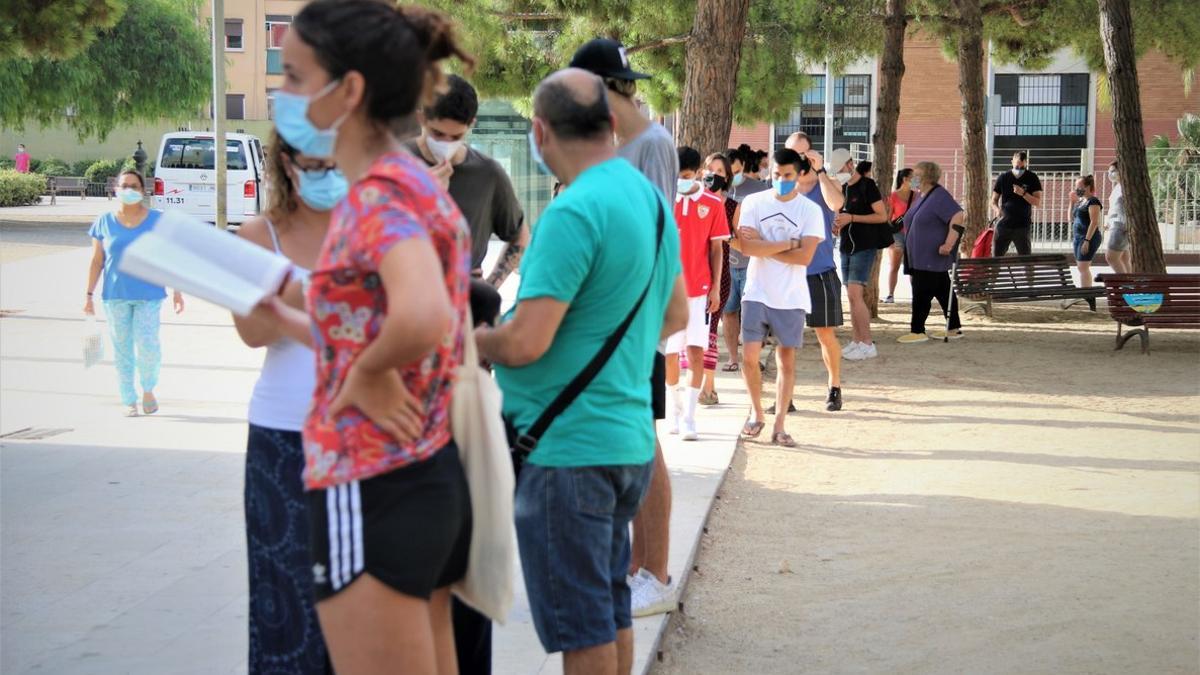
(653, 153)
(748, 187)
(486, 198)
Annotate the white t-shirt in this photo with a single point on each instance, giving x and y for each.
(776, 284)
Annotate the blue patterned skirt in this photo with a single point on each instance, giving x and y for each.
(285, 636)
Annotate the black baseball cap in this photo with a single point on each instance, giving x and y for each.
(606, 58)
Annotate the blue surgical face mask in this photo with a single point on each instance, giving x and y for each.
(915, 184)
(291, 120)
(1017, 171)
(685, 185)
(738, 179)
(785, 187)
(321, 189)
(536, 153)
(129, 195)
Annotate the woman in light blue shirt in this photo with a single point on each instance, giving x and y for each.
(131, 305)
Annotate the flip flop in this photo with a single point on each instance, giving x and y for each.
(782, 439)
(753, 429)
(731, 368)
(149, 407)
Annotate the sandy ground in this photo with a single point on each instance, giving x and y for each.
(1025, 500)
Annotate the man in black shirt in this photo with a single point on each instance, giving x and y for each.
(478, 183)
(1013, 199)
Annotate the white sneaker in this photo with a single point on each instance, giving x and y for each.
(652, 597)
(867, 352)
(673, 426)
(689, 430)
(849, 351)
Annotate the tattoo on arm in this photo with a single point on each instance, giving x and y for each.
(509, 261)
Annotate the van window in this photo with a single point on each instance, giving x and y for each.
(197, 153)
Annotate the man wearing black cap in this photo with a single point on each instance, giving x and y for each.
(651, 149)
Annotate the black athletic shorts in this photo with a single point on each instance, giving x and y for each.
(409, 528)
(658, 387)
(825, 291)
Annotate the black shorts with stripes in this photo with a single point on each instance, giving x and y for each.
(409, 528)
(825, 290)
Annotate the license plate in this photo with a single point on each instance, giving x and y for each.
(203, 187)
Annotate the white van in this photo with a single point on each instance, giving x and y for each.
(185, 177)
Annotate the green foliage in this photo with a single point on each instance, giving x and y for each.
(7, 163)
(519, 42)
(20, 189)
(130, 164)
(1172, 172)
(55, 29)
(153, 64)
(102, 170)
(52, 166)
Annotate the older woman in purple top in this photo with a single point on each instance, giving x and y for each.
(929, 251)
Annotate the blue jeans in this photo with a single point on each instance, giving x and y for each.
(737, 286)
(573, 533)
(856, 268)
(134, 323)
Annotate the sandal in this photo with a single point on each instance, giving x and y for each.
(752, 429)
(782, 439)
(709, 398)
(149, 405)
(131, 411)
(731, 367)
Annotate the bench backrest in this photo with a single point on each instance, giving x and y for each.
(70, 182)
(982, 276)
(1180, 297)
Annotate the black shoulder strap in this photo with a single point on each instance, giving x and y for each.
(911, 194)
(529, 439)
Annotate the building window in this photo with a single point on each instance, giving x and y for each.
(271, 103)
(233, 35)
(851, 112)
(235, 106)
(1046, 114)
(277, 27)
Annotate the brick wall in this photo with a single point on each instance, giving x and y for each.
(757, 136)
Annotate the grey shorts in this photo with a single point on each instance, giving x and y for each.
(825, 289)
(787, 325)
(1118, 238)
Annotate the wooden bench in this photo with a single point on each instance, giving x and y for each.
(1167, 300)
(1020, 278)
(64, 184)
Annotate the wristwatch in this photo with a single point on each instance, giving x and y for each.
(821, 170)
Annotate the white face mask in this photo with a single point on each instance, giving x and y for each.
(843, 177)
(1113, 176)
(442, 150)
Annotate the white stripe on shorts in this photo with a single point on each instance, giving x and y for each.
(331, 511)
(356, 521)
(344, 531)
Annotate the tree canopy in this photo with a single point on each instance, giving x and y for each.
(154, 63)
(54, 28)
(517, 43)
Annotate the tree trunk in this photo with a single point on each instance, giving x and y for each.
(714, 52)
(1116, 30)
(887, 116)
(974, 120)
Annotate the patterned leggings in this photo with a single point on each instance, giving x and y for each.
(134, 323)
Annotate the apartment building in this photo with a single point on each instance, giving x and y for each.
(1055, 113)
(253, 33)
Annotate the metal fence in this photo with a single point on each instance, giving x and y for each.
(1176, 190)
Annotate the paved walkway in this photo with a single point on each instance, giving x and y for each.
(122, 540)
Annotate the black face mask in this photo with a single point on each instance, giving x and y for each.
(715, 183)
(1078, 192)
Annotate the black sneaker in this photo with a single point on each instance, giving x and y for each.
(791, 408)
(833, 402)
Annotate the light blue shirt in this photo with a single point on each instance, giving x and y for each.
(115, 237)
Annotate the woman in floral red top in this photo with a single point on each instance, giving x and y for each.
(388, 500)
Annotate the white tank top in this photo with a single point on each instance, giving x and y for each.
(285, 386)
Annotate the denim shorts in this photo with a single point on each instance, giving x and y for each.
(898, 238)
(573, 533)
(1093, 246)
(856, 268)
(737, 286)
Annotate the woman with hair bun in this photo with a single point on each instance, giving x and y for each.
(389, 509)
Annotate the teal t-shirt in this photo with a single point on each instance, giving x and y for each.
(594, 249)
(115, 237)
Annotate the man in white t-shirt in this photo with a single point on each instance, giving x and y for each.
(780, 231)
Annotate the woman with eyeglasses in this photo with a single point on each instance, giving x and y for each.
(387, 498)
(285, 635)
(131, 306)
